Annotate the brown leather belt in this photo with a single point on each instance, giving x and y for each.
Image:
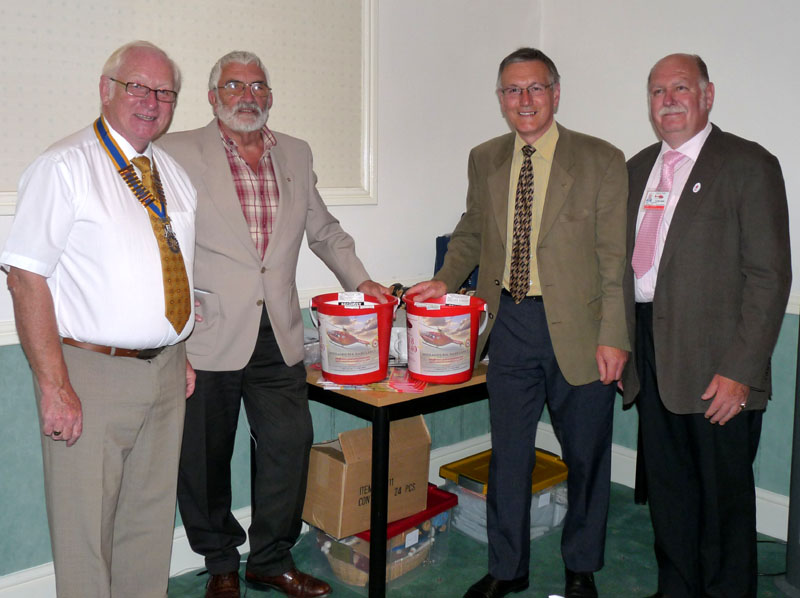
(114, 351)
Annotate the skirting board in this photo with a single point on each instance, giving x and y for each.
(772, 513)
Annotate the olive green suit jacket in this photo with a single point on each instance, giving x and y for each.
(580, 250)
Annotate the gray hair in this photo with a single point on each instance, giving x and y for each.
(238, 57)
(117, 58)
(529, 55)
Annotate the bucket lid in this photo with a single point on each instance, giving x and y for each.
(438, 501)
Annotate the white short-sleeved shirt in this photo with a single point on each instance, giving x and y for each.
(78, 224)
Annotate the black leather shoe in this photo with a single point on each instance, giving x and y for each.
(579, 585)
(489, 587)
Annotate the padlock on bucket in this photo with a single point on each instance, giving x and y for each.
(354, 334)
(442, 336)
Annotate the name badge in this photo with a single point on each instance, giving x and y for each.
(656, 200)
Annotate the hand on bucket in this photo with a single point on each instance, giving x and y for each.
(370, 287)
(429, 289)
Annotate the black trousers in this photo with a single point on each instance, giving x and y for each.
(276, 403)
(701, 489)
(523, 375)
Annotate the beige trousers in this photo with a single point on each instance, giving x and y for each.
(111, 496)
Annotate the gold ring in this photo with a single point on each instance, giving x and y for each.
(742, 405)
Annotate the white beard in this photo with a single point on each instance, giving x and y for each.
(231, 118)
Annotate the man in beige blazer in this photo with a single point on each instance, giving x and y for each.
(561, 340)
(257, 198)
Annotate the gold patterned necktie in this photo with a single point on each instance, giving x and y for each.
(177, 305)
(519, 280)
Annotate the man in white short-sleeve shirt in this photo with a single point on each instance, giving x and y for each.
(100, 256)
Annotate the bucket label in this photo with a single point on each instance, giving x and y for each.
(438, 346)
(350, 299)
(349, 344)
(456, 299)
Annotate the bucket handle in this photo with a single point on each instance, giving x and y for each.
(484, 319)
(311, 311)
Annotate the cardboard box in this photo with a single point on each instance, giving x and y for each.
(413, 541)
(468, 479)
(339, 492)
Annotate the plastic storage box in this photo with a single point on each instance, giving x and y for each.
(468, 479)
(412, 541)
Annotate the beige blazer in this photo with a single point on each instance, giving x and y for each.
(232, 282)
(724, 276)
(580, 249)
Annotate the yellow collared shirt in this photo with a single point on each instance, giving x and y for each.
(542, 160)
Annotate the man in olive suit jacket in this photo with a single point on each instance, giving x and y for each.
(558, 333)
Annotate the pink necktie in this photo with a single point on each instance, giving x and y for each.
(645, 250)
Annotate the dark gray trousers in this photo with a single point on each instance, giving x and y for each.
(523, 375)
(276, 403)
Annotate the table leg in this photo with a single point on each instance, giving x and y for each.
(379, 504)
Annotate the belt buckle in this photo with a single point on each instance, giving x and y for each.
(149, 353)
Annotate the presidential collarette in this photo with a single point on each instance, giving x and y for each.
(150, 193)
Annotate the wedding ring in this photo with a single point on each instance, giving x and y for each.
(742, 405)
(56, 432)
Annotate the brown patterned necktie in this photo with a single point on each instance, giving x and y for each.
(519, 280)
(177, 304)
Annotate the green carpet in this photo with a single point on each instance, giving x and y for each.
(629, 572)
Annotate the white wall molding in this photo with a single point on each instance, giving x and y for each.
(454, 452)
(367, 193)
(36, 582)
(8, 203)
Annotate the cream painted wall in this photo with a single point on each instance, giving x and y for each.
(436, 69)
(437, 64)
(604, 51)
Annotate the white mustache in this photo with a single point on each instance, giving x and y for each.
(248, 106)
(671, 110)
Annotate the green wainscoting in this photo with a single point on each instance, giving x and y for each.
(24, 540)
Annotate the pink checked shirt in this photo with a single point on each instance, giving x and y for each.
(257, 191)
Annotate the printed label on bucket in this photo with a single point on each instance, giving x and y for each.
(349, 344)
(438, 346)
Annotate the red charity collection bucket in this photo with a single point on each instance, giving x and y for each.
(442, 335)
(354, 334)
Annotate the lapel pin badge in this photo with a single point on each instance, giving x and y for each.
(696, 188)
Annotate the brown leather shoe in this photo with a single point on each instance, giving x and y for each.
(292, 583)
(225, 585)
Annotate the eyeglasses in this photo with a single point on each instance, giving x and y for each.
(536, 89)
(257, 88)
(142, 91)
